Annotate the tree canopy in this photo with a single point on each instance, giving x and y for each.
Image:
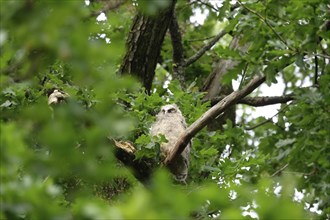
(71, 160)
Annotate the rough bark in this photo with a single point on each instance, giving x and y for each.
(178, 55)
(144, 43)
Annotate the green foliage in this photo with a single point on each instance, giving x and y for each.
(57, 162)
(152, 7)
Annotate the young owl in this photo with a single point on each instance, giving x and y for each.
(56, 96)
(171, 123)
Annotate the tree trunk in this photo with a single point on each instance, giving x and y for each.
(214, 87)
(144, 43)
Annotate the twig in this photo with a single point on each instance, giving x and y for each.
(208, 5)
(300, 173)
(280, 170)
(316, 70)
(266, 22)
(243, 76)
(202, 39)
(267, 120)
(324, 63)
(211, 43)
(321, 55)
(205, 48)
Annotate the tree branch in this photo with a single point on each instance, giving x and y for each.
(321, 55)
(110, 5)
(141, 168)
(205, 48)
(178, 60)
(259, 101)
(144, 43)
(207, 5)
(209, 115)
(201, 39)
(267, 120)
(280, 170)
(264, 20)
(316, 70)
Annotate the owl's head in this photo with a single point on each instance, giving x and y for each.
(170, 109)
(169, 116)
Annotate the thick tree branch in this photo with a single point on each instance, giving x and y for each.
(144, 44)
(259, 101)
(178, 69)
(209, 115)
(205, 48)
(141, 168)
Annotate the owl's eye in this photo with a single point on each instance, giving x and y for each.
(172, 110)
(163, 110)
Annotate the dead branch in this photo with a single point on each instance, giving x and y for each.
(259, 100)
(124, 145)
(211, 114)
(141, 168)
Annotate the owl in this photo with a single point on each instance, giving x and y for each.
(56, 96)
(171, 123)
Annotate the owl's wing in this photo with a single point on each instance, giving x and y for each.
(181, 167)
(183, 123)
(188, 149)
